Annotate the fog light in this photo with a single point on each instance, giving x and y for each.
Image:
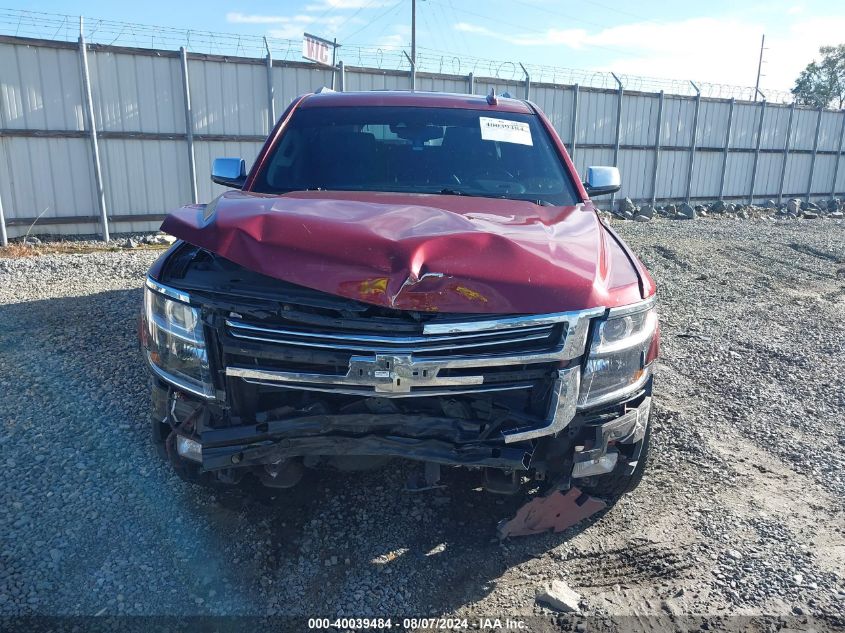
(601, 466)
(188, 448)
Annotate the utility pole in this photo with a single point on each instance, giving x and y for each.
(759, 68)
(414, 31)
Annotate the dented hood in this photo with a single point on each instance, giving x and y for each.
(419, 251)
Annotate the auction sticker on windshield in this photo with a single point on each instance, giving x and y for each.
(505, 131)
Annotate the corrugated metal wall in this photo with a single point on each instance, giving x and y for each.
(139, 105)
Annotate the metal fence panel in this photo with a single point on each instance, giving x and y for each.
(823, 173)
(745, 124)
(129, 166)
(636, 167)
(738, 174)
(228, 98)
(775, 123)
(797, 168)
(556, 102)
(677, 121)
(712, 123)
(639, 119)
(40, 88)
(829, 131)
(50, 177)
(672, 172)
(137, 93)
(705, 177)
(597, 118)
(291, 81)
(140, 110)
(804, 129)
(768, 176)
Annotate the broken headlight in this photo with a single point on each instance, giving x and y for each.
(620, 355)
(173, 341)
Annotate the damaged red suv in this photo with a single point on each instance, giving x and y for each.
(403, 275)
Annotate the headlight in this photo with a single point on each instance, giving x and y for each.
(173, 339)
(617, 364)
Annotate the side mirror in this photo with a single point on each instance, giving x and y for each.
(229, 172)
(602, 181)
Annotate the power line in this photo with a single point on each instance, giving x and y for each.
(374, 20)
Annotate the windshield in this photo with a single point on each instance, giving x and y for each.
(418, 150)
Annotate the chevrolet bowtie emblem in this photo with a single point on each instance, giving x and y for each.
(400, 373)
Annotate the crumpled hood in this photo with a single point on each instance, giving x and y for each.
(419, 251)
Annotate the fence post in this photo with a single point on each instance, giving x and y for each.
(4, 238)
(189, 125)
(786, 151)
(413, 71)
(727, 146)
(576, 90)
(835, 167)
(341, 76)
(657, 150)
(757, 151)
(527, 83)
(618, 130)
(471, 83)
(815, 151)
(693, 143)
(92, 133)
(271, 91)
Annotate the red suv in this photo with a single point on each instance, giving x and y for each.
(403, 275)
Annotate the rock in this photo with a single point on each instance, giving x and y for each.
(647, 210)
(810, 206)
(736, 555)
(836, 215)
(31, 240)
(719, 206)
(627, 205)
(670, 209)
(641, 218)
(686, 212)
(834, 204)
(560, 597)
(810, 215)
(793, 205)
(770, 204)
(129, 243)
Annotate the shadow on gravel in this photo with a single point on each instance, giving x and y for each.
(339, 542)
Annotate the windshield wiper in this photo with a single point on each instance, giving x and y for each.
(453, 192)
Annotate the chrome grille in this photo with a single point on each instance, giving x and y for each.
(444, 356)
(519, 339)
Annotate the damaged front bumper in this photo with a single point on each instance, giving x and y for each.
(587, 447)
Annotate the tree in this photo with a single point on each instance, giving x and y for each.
(822, 84)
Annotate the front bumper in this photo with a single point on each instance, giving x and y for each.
(589, 440)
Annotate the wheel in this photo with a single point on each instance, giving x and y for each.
(627, 474)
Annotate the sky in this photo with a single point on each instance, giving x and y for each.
(713, 41)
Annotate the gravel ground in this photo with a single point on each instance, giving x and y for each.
(740, 512)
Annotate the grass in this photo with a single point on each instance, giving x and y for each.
(18, 250)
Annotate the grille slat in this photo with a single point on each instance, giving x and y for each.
(373, 344)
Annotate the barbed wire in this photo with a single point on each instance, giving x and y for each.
(56, 26)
